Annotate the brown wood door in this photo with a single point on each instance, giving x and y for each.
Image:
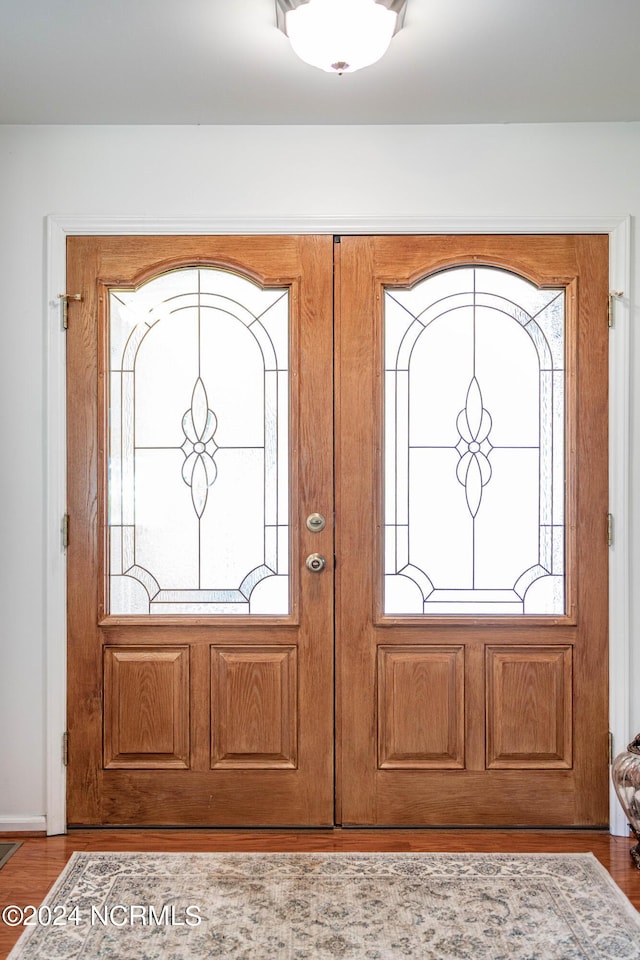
(200, 650)
(470, 430)
(471, 444)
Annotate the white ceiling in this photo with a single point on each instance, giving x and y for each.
(224, 61)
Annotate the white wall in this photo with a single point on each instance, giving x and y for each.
(564, 170)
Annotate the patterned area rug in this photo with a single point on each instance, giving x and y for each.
(354, 906)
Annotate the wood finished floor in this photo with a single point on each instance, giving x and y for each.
(28, 875)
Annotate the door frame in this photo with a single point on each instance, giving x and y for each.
(58, 228)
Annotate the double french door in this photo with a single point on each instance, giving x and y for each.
(402, 438)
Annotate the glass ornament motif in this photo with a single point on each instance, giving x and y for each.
(198, 475)
(474, 445)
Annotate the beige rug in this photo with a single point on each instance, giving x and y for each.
(127, 906)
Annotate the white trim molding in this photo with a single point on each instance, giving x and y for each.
(619, 505)
(60, 227)
(23, 824)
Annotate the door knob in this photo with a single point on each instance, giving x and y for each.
(316, 562)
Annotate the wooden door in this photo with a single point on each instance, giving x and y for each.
(184, 712)
(471, 452)
(200, 651)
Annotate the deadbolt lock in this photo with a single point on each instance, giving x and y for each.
(316, 563)
(316, 522)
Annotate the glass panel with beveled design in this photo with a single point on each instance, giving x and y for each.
(198, 490)
(474, 446)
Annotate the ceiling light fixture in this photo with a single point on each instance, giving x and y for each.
(340, 36)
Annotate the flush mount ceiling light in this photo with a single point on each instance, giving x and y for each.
(340, 36)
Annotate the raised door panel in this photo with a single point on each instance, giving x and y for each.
(420, 707)
(253, 707)
(529, 707)
(146, 703)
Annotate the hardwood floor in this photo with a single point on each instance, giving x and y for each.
(27, 876)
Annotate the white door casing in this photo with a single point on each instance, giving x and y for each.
(59, 227)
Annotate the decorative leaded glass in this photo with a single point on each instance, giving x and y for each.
(474, 445)
(198, 446)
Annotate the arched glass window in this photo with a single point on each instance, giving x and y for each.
(474, 477)
(198, 445)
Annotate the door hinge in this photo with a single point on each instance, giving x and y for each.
(614, 293)
(609, 529)
(65, 297)
(610, 747)
(65, 531)
(65, 749)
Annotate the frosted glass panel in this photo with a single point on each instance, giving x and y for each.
(474, 446)
(198, 486)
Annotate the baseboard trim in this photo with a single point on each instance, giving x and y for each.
(23, 824)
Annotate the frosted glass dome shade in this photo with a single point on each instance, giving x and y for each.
(340, 36)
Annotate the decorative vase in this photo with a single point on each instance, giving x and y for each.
(625, 773)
